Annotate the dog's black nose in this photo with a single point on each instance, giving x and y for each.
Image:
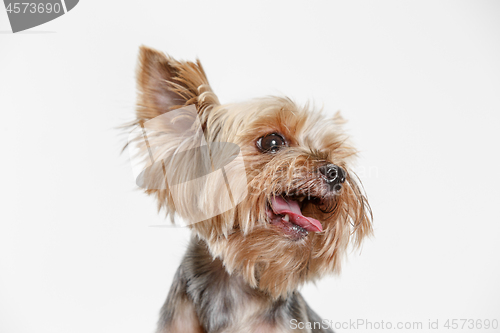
(333, 174)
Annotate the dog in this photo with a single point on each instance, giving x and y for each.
(266, 188)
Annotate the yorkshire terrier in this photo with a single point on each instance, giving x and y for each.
(264, 185)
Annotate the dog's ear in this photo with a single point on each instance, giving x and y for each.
(165, 84)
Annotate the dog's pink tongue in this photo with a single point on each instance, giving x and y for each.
(290, 207)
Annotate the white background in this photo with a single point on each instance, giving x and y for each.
(418, 81)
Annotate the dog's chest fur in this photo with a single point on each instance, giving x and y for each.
(204, 298)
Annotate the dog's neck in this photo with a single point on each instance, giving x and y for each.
(224, 302)
(226, 292)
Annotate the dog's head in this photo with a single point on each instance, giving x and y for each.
(265, 183)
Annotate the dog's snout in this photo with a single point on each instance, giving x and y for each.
(333, 174)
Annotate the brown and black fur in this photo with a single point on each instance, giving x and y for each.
(216, 299)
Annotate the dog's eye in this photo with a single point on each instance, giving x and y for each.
(271, 143)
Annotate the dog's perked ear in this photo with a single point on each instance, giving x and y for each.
(165, 84)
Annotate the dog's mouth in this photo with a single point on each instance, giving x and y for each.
(285, 212)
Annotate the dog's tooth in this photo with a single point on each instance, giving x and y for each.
(286, 218)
